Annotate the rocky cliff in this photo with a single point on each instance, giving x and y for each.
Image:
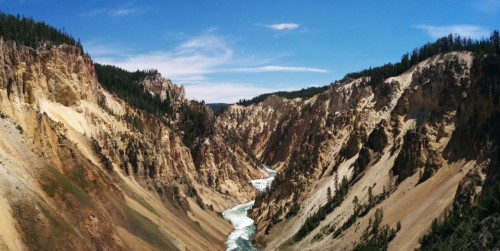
(362, 157)
(83, 170)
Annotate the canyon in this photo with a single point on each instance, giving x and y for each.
(83, 169)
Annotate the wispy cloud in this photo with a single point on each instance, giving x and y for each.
(488, 6)
(192, 63)
(115, 12)
(283, 26)
(192, 60)
(189, 61)
(223, 92)
(102, 50)
(473, 31)
(277, 68)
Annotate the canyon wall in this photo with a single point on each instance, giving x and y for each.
(396, 152)
(83, 170)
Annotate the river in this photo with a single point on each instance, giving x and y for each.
(244, 228)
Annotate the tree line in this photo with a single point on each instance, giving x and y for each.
(442, 45)
(28, 32)
(378, 74)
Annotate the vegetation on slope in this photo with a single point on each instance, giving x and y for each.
(471, 227)
(126, 85)
(376, 237)
(26, 31)
(195, 121)
(313, 221)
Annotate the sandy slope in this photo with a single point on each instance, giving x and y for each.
(15, 180)
(418, 206)
(178, 226)
(9, 237)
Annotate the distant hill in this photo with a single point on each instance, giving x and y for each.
(218, 108)
(304, 93)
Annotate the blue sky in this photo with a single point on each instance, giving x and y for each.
(222, 51)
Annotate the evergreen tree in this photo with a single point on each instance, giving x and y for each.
(370, 196)
(329, 194)
(495, 39)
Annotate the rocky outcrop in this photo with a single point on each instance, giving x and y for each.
(467, 189)
(157, 85)
(411, 157)
(61, 75)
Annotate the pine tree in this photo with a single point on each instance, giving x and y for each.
(355, 201)
(336, 182)
(495, 39)
(370, 196)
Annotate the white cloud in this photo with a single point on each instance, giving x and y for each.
(473, 31)
(488, 6)
(125, 11)
(223, 92)
(115, 12)
(283, 26)
(277, 68)
(100, 50)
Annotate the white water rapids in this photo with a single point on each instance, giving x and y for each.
(244, 228)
